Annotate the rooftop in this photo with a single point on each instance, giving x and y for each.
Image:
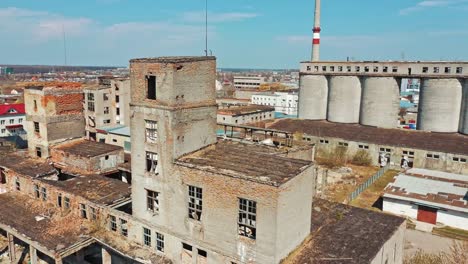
(55, 232)
(53, 86)
(173, 59)
(440, 189)
(344, 234)
(240, 160)
(86, 148)
(12, 109)
(96, 188)
(245, 110)
(117, 130)
(26, 166)
(437, 142)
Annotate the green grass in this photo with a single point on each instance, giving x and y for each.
(451, 232)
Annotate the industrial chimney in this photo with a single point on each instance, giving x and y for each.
(316, 30)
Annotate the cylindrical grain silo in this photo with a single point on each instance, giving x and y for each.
(380, 102)
(464, 110)
(439, 105)
(313, 97)
(344, 99)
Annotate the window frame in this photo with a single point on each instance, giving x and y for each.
(152, 201)
(195, 202)
(147, 237)
(159, 242)
(247, 218)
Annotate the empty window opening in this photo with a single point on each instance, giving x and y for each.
(385, 69)
(448, 70)
(36, 191)
(332, 68)
(324, 141)
(59, 200)
(343, 144)
(316, 68)
(35, 105)
(394, 69)
(112, 223)
(151, 87)
(202, 253)
(117, 99)
(340, 68)
(117, 111)
(407, 160)
(308, 68)
(348, 68)
(83, 212)
(152, 163)
(159, 242)
(105, 97)
(432, 156)
(187, 247)
(151, 131)
(195, 202)
(358, 68)
(106, 110)
(459, 70)
(247, 222)
(386, 150)
(92, 213)
(436, 69)
(152, 201)
(147, 237)
(324, 68)
(38, 152)
(425, 69)
(376, 68)
(366, 69)
(123, 227)
(36, 127)
(364, 146)
(409, 71)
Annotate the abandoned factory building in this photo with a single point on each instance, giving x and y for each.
(192, 198)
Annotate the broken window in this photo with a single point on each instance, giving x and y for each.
(308, 68)
(44, 193)
(90, 96)
(348, 68)
(106, 110)
(83, 212)
(36, 127)
(458, 159)
(117, 99)
(151, 87)
(342, 144)
(436, 69)
(105, 97)
(151, 131)
(107, 121)
(385, 69)
(247, 222)
(366, 68)
(117, 111)
(92, 213)
(324, 141)
(112, 223)
(152, 163)
(332, 68)
(364, 146)
(91, 106)
(36, 191)
(195, 202)
(147, 236)
(459, 70)
(202, 253)
(35, 105)
(433, 156)
(425, 69)
(38, 152)
(448, 70)
(17, 184)
(316, 68)
(152, 201)
(159, 242)
(66, 202)
(324, 68)
(123, 227)
(386, 150)
(376, 68)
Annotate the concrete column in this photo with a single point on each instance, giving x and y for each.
(106, 257)
(11, 247)
(32, 254)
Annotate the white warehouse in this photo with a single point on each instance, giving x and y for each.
(283, 102)
(429, 196)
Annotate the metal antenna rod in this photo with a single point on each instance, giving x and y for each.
(206, 27)
(64, 44)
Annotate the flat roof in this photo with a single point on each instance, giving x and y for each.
(177, 59)
(395, 62)
(26, 166)
(445, 190)
(87, 148)
(437, 142)
(256, 163)
(55, 232)
(344, 234)
(245, 110)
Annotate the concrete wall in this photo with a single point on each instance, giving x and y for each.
(88, 165)
(453, 218)
(464, 110)
(392, 251)
(121, 88)
(400, 207)
(313, 97)
(114, 139)
(344, 99)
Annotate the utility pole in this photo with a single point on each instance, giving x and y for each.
(206, 28)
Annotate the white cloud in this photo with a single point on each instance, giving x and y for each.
(198, 17)
(431, 4)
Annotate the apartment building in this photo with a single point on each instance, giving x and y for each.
(12, 117)
(248, 82)
(283, 102)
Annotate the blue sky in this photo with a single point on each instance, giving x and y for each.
(242, 33)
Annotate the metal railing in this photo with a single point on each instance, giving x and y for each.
(368, 183)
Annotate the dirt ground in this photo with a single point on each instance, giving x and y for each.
(340, 191)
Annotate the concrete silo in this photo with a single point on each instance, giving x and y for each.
(439, 105)
(344, 99)
(313, 97)
(464, 110)
(380, 102)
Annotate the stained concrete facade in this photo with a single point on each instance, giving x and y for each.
(54, 113)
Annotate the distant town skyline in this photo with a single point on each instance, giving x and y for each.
(242, 33)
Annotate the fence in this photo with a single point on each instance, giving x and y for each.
(368, 183)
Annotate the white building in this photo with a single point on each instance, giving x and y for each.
(245, 114)
(283, 102)
(12, 117)
(429, 196)
(250, 82)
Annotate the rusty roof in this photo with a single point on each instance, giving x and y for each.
(438, 142)
(257, 163)
(86, 148)
(56, 232)
(26, 166)
(95, 188)
(344, 234)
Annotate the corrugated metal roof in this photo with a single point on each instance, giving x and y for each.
(423, 186)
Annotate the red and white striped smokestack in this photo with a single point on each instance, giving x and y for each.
(316, 30)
